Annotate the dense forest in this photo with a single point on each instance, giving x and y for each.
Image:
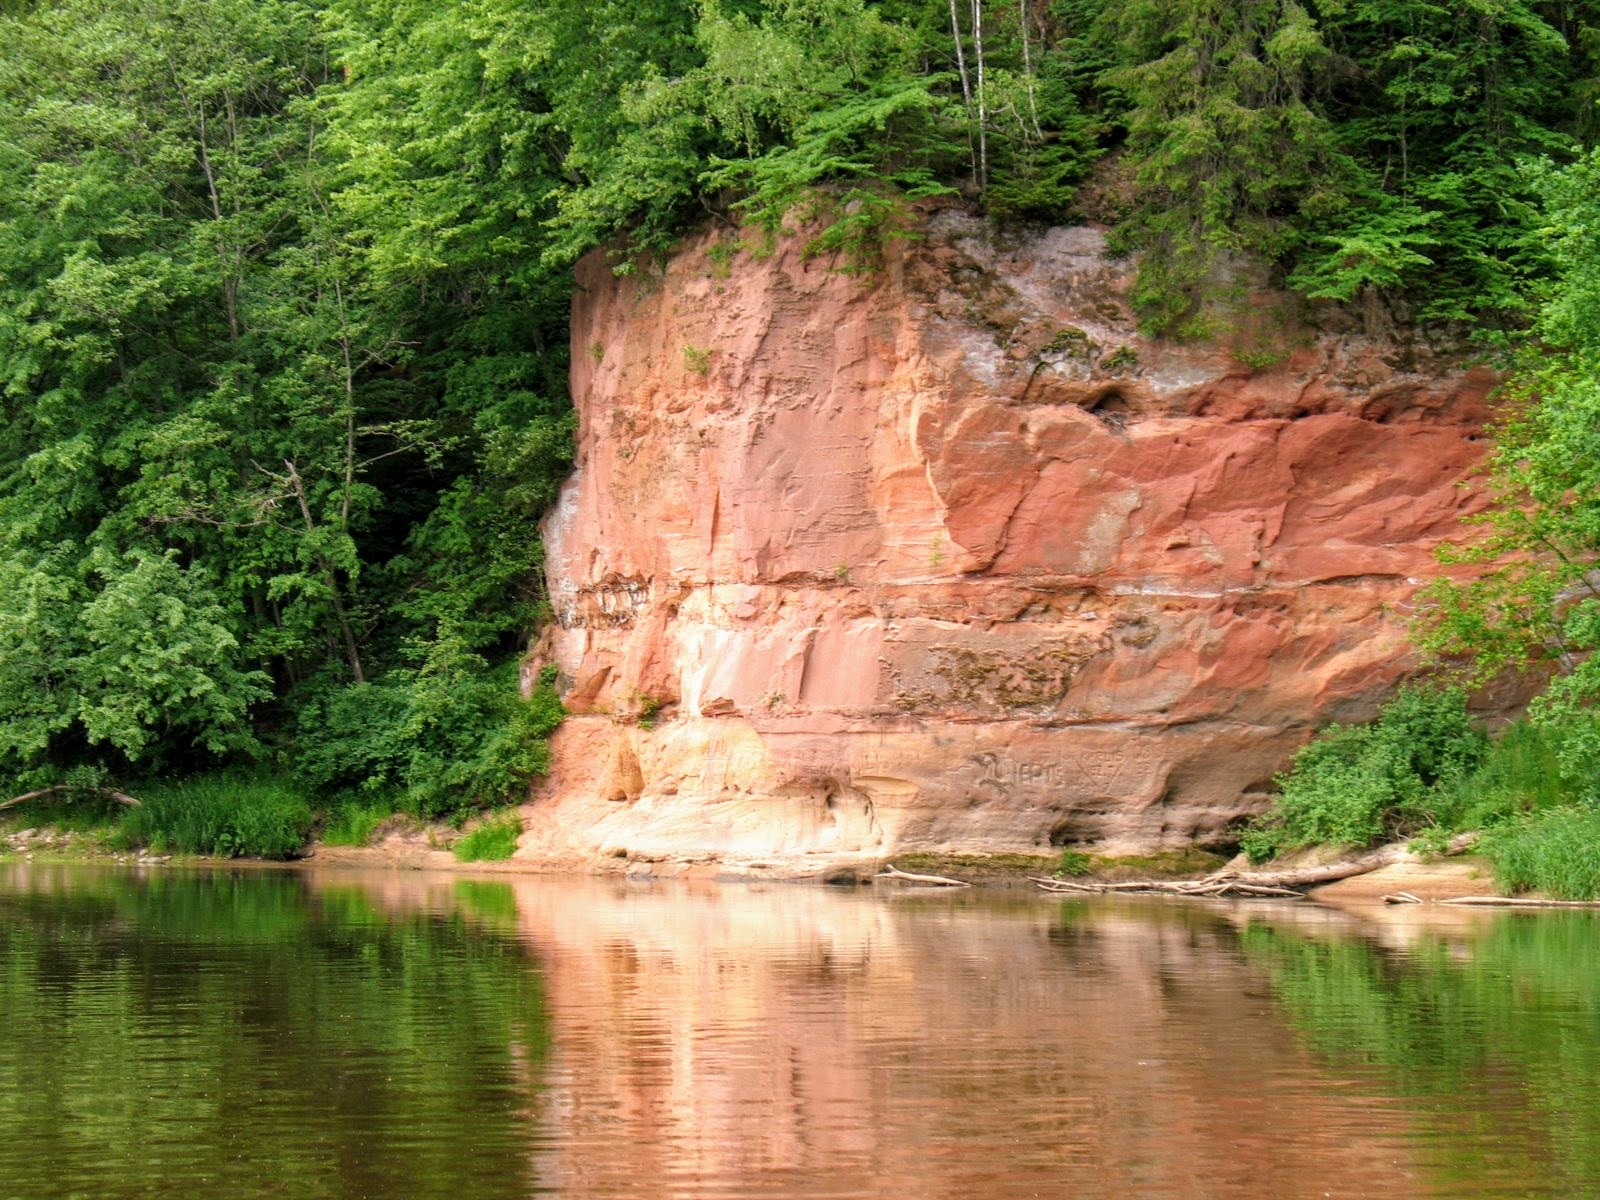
(284, 287)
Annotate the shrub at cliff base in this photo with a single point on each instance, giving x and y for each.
(448, 738)
(1356, 784)
(1421, 768)
(1521, 771)
(353, 823)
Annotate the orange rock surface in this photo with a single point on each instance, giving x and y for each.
(946, 556)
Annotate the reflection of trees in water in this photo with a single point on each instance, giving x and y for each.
(219, 1018)
(1495, 1040)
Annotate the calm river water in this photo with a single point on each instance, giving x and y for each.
(299, 1034)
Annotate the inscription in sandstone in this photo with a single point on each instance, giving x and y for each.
(604, 605)
(1128, 764)
(1004, 772)
(876, 762)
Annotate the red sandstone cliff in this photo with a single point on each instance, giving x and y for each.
(948, 557)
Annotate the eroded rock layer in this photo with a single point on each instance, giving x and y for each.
(947, 556)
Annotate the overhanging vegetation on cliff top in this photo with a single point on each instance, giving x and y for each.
(283, 291)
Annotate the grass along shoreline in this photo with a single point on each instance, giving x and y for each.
(232, 816)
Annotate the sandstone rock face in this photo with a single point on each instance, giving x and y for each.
(946, 556)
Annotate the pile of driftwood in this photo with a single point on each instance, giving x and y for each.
(1284, 883)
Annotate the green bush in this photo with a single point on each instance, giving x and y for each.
(449, 737)
(1556, 851)
(348, 740)
(226, 815)
(493, 840)
(1356, 784)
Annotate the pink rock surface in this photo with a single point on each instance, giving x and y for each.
(947, 557)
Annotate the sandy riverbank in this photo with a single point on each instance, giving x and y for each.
(1439, 879)
(422, 848)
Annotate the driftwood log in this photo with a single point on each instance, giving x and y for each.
(1284, 883)
(119, 797)
(890, 871)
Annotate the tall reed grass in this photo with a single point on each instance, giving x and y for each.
(224, 815)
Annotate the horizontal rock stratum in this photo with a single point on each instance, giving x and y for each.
(945, 556)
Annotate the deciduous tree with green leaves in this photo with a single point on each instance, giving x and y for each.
(1535, 599)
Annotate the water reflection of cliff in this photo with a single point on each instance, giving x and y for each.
(803, 1042)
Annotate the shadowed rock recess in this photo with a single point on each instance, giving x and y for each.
(946, 556)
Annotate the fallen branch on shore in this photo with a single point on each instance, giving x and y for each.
(1282, 883)
(893, 872)
(119, 797)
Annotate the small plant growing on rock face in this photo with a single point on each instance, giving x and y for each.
(1071, 341)
(1198, 327)
(597, 350)
(649, 706)
(696, 361)
(722, 255)
(1123, 358)
(1259, 358)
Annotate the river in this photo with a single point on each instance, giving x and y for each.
(225, 1034)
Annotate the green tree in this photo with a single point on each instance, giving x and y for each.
(1436, 107)
(822, 92)
(273, 365)
(130, 662)
(144, 144)
(1535, 602)
(1227, 151)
